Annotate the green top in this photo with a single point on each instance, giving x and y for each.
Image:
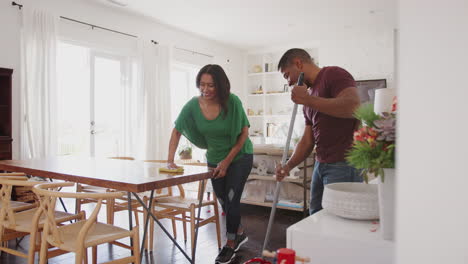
(217, 136)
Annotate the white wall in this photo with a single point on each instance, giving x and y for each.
(366, 54)
(432, 197)
(114, 19)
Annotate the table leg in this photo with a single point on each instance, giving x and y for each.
(202, 192)
(130, 224)
(145, 232)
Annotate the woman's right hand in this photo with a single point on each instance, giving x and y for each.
(172, 165)
(173, 143)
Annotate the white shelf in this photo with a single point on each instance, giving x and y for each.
(278, 94)
(255, 116)
(263, 73)
(284, 115)
(278, 100)
(272, 178)
(268, 204)
(289, 115)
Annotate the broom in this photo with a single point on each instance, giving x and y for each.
(300, 81)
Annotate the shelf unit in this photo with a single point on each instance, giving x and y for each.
(269, 108)
(268, 103)
(303, 182)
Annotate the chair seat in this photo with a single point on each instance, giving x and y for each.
(24, 219)
(19, 206)
(180, 202)
(98, 234)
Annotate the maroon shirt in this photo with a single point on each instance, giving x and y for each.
(333, 135)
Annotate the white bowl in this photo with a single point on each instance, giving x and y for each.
(352, 200)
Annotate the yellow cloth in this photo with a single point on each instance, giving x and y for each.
(166, 169)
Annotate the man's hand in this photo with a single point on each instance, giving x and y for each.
(299, 94)
(220, 170)
(281, 171)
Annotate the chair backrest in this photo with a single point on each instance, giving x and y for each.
(48, 194)
(186, 162)
(9, 174)
(201, 164)
(122, 158)
(7, 212)
(169, 189)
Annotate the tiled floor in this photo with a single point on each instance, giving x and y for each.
(255, 221)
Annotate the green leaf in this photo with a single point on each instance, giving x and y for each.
(365, 113)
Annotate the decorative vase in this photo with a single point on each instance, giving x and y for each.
(387, 204)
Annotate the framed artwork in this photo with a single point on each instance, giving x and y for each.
(366, 88)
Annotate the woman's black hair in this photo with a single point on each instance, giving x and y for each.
(221, 83)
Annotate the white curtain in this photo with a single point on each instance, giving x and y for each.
(155, 80)
(38, 88)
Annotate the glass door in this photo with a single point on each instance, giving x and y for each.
(106, 115)
(73, 96)
(95, 102)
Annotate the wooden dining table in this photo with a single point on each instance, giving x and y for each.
(123, 175)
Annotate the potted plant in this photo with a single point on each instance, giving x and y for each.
(373, 152)
(373, 148)
(185, 152)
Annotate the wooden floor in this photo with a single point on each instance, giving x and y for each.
(254, 219)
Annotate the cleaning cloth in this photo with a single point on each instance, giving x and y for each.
(166, 169)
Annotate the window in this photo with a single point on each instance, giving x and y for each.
(95, 100)
(183, 88)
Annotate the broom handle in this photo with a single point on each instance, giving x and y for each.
(300, 81)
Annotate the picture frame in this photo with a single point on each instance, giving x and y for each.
(366, 88)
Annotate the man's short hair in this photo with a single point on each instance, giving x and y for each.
(290, 55)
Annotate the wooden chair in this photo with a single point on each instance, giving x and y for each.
(112, 206)
(121, 204)
(181, 208)
(79, 236)
(15, 224)
(15, 205)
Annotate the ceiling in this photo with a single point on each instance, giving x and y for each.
(252, 24)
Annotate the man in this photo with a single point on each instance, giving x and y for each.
(329, 96)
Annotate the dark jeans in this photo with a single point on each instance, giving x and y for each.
(325, 173)
(229, 191)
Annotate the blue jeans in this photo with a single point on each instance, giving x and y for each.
(229, 191)
(325, 173)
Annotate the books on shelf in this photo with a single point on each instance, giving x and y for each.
(288, 203)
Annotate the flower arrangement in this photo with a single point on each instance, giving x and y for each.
(373, 148)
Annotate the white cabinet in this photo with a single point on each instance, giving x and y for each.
(268, 102)
(329, 239)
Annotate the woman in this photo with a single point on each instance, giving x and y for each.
(216, 121)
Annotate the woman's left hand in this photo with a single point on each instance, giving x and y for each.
(220, 171)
